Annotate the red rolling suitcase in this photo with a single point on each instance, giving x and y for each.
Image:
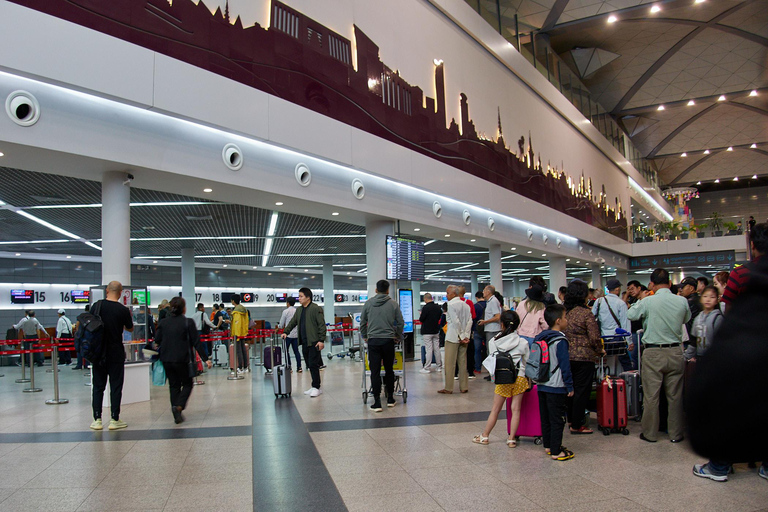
(612, 406)
(530, 418)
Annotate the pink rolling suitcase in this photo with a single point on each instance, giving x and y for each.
(530, 420)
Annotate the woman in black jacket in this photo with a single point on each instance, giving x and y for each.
(176, 337)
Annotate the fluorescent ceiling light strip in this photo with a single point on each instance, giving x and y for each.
(36, 242)
(98, 205)
(460, 268)
(272, 225)
(57, 229)
(267, 250)
(647, 197)
(430, 242)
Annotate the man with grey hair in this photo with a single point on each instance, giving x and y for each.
(459, 322)
(490, 322)
(115, 317)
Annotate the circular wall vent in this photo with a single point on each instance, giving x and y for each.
(466, 217)
(545, 238)
(303, 175)
(437, 209)
(233, 157)
(530, 235)
(491, 223)
(358, 189)
(22, 108)
(559, 242)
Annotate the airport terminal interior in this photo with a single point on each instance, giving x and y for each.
(261, 158)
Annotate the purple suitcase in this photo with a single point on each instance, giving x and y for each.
(530, 419)
(268, 357)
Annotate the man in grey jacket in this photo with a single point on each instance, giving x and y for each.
(381, 325)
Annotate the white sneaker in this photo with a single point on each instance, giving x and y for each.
(307, 392)
(471, 377)
(455, 378)
(316, 392)
(240, 371)
(440, 369)
(424, 370)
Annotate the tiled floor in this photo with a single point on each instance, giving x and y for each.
(426, 463)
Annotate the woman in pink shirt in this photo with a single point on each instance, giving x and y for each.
(531, 313)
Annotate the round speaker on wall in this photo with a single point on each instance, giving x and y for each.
(545, 237)
(437, 209)
(358, 189)
(232, 156)
(491, 223)
(559, 242)
(22, 107)
(303, 175)
(466, 217)
(530, 235)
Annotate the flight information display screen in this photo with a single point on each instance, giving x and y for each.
(82, 296)
(405, 259)
(22, 296)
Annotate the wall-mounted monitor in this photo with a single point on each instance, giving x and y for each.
(405, 259)
(405, 298)
(82, 296)
(22, 296)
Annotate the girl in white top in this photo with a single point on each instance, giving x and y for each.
(508, 341)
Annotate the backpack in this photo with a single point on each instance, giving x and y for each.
(506, 370)
(538, 368)
(206, 329)
(92, 340)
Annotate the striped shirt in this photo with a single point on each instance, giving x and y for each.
(737, 280)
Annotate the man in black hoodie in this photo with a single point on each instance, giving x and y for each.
(381, 325)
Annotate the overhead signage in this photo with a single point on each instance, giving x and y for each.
(22, 296)
(405, 259)
(692, 259)
(84, 296)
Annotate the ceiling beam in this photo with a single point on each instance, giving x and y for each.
(635, 88)
(721, 148)
(730, 97)
(755, 38)
(554, 14)
(680, 128)
(712, 153)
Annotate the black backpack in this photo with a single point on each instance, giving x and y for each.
(506, 370)
(206, 329)
(92, 340)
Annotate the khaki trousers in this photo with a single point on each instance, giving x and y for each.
(662, 367)
(452, 352)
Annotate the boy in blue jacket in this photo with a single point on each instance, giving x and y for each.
(553, 393)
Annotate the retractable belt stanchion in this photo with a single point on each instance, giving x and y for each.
(55, 359)
(233, 360)
(31, 388)
(23, 378)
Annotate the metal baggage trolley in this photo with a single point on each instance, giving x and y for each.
(614, 346)
(399, 369)
(337, 340)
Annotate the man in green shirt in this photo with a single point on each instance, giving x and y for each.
(663, 317)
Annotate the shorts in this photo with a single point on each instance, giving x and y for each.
(509, 390)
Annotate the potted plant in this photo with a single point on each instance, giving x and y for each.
(716, 223)
(731, 227)
(700, 230)
(685, 230)
(648, 233)
(674, 230)
(638, 233)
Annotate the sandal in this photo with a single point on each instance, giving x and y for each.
(512, 443)
(445, 392)
(567, 455)
(479, 439)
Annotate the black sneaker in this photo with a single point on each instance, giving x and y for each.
(176, 414)
(391, 401)
(376, 407)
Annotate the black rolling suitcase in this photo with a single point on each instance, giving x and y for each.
(634, 396)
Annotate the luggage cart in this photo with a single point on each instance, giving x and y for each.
(614, 346)
(337, 340)
(399, 369)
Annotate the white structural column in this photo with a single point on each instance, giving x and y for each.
(329, 300)
(597, 280)
(557, 274)
(188, 278)
(494, 255)
(473, 285)
(115, 228)
(416, 287)
(376, 232)
(622, 276)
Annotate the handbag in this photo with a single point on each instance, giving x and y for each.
(506, 370)
(158, 374)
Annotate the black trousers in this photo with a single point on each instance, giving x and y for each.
(583, 374)
(179, 382)
(382, 351)
(37, 357)
(116, 374)
(552, 408)
(314, 360)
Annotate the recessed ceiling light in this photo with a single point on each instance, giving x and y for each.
(691, 103)
(717, 180)
(660, 107)
(544, 255)
(18, 254)
(655, 9)
(69, 257)
(513, 248)
(699, 1)
(736, 178)
(721, 98)
(155, 261)
(224, 266)
(2, 154)
(207, 190)
(698, 183)
(754, 176)
(255, 268)
(578, 261)
(305, 270)
(753, 146)
(529, 252)
(567, 259)
(706, 151)
(753, 93)
(473, 240)
(335, 214)
(447, 236)
(612, 19)
(417, 229)
(279, 203)
(684, 155)
(269, 273)
(730, 148)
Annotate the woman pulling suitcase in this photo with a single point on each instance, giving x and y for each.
(177, 340)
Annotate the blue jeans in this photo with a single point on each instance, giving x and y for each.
(718, 468)
(293, 342)
(478, 339)
(637, 338)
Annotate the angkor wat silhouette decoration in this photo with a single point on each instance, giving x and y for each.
(306, 63)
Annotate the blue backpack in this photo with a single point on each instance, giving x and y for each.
(92, 341)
